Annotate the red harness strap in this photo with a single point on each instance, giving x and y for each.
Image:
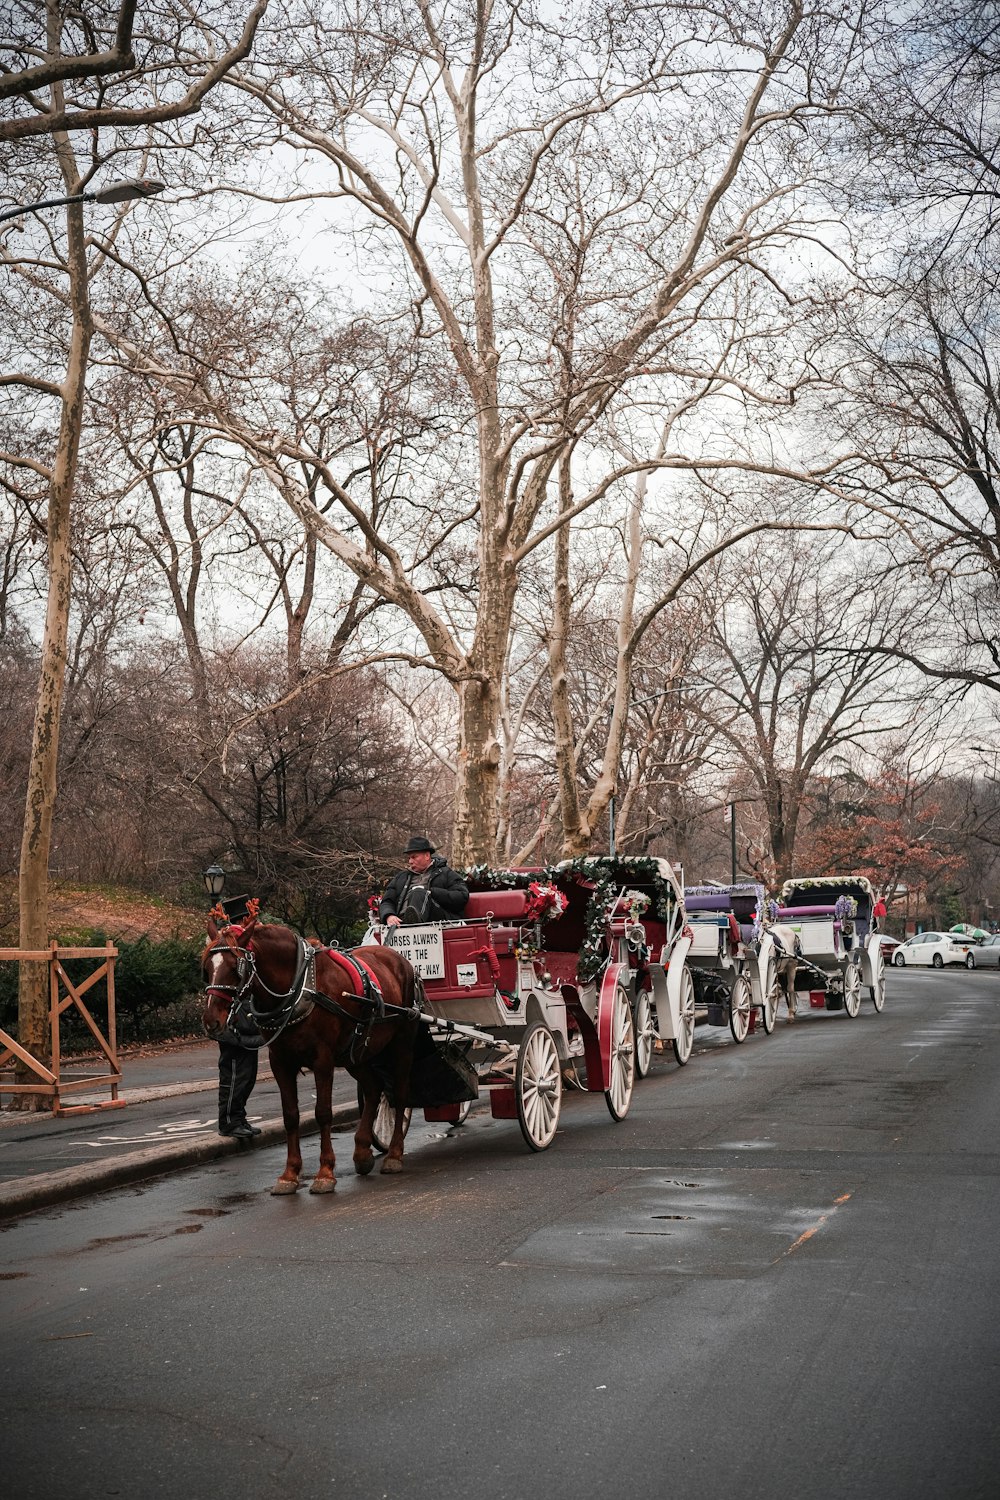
(350, 966)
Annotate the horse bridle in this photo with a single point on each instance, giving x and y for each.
(247, 976)
(297, 1002)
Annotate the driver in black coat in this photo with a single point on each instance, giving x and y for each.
(428, 890)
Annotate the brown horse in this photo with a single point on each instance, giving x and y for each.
(306, 1008)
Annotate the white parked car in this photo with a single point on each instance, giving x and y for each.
(937, 949)
(986, 954)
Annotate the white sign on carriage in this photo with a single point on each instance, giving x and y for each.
(423, 946)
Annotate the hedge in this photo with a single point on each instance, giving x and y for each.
(157, 986)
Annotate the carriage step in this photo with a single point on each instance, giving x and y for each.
(503, 1103)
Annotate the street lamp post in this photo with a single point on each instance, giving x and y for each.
(115, 192)
(993, 751)
(215, 881)
(730, 818)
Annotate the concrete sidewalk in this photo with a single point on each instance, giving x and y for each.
(168, 1121)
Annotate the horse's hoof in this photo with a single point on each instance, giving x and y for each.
(283, 1186)
(364, 1164)
(789, 1020)
(323, 1184)
(390, 1165)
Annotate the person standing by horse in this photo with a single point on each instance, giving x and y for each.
(239, 1045)
(428, 890)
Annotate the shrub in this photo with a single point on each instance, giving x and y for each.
(156, 991)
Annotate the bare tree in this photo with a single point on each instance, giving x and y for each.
(796, 656)
(441, 143)
(68, 273)
(121, 75)
(913, 379)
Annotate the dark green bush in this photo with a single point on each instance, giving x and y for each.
(156, 991)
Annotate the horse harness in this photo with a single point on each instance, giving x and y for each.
(302, 996)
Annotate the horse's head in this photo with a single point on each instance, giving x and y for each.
(227, 964)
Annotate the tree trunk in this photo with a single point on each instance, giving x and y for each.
(474, 827)
(575, 837)
(33, 882)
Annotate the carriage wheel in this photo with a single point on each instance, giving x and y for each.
(538, 1086)
(385, 1120)
(645, 1035)
(683, 1043)
(852, 990)
(740, 1006)
(621, 1082)
(877, 990)
(464, 1111)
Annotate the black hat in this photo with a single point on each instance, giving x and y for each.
(418, 845)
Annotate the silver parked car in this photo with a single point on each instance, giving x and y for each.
(936, 949)
(986, 955)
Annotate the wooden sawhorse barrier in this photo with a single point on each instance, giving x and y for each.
(52, 1082)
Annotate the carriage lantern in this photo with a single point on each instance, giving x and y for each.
(215, 880)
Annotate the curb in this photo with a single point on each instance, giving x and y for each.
(48, 1188)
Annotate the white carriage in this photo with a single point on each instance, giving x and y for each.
(732, 956)
(833, 917)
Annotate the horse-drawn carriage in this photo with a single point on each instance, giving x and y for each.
(732, 956)
(550, 976)
(626, 915)
(833, 919)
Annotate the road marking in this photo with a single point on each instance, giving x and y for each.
(172, 1130)
(808, 1233)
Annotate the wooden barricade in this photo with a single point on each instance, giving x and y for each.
(53, 1081)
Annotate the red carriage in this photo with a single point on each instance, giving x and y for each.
(556, 976)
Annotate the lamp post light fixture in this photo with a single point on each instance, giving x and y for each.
(215, 881)
(993, 751)
(115, 192)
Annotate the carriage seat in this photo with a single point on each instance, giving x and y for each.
(506, 904)
(861, 923)
(721, 902)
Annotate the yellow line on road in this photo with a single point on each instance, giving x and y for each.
(808, 1233)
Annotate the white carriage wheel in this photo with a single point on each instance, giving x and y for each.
(740, 1006)
(852, 990)
(385, 1122)
(877, 989)
(621, 1068)
(463, 1112)
(683, 1043)
(645, 1035)
(538, 1086)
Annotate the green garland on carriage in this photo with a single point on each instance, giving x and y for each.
(613, 878)
(485, 878)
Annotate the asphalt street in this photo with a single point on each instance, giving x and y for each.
(777, 1276)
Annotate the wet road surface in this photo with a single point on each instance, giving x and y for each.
(777, 1276)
